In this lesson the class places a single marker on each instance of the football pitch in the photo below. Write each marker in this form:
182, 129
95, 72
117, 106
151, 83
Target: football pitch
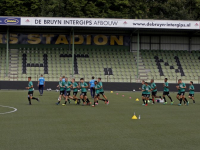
46, 126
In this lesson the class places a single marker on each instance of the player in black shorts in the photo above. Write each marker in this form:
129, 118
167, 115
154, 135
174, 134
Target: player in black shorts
191, 93
96, 97
166, 92
30, 91
143, 92
61, 85
154, 91
75, 91
101, 92
182, 87
83, 85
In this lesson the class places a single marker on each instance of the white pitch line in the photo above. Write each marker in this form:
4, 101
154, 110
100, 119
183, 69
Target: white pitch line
15, 109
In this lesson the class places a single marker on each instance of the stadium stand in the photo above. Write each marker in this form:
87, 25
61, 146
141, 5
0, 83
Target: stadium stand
111, 64
3, 64
171, 64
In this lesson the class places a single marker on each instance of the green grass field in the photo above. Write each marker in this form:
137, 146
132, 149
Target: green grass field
46, 126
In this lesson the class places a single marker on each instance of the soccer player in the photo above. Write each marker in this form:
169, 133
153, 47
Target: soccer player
143, 92
179, 93
154, 91
30, 91
101, 91
148, 92
63, 80
92, 89
41, 84
97, 87
191, 93
182, 88
61, 85
68, 85
83, 96
75, 91
166, 92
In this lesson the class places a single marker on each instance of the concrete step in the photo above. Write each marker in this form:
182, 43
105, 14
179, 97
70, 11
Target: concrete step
14, 55
143, 74
12, 65
13, 50
13, 76
143, 78
141, 67
13, 58
140, 63
142, 71
13, 73
140, 60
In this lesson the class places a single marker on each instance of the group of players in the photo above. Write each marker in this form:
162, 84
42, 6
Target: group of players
96, 89
152, 89
66, 86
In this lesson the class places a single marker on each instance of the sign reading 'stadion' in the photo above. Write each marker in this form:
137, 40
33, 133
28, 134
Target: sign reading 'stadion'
66, 39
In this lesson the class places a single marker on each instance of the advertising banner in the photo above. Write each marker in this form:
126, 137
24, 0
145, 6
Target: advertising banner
10, 21
122, 40
117, 23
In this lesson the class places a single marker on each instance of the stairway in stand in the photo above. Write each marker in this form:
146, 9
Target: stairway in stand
13, 64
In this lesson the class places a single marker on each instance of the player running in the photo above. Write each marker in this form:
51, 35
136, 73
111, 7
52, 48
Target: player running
191, 93
143, 92
166, 92
83, 96
101, 91
97, 87
148, 92
61, 85
154, 91
179, 93
63, 80
41, 84
182, 88
68, 85
75, 91
30, 91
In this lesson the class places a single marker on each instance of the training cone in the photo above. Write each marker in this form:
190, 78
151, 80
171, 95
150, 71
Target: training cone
137, 99
122, 95
117, 93
111, 91
134, 116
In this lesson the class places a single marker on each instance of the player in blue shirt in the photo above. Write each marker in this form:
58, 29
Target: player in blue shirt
41, 84
92, 87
